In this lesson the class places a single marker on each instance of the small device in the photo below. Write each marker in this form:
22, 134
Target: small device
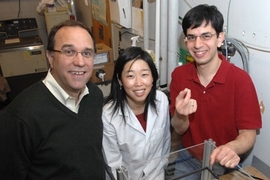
103, 65
120, 11
134, 40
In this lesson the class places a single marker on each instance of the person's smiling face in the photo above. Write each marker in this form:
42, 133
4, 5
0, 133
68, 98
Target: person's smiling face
137, 81
72, 73
204, 51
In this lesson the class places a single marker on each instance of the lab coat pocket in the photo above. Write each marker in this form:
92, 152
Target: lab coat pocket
156, 140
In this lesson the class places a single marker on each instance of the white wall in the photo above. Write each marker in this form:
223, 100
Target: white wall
259, 69
252, 20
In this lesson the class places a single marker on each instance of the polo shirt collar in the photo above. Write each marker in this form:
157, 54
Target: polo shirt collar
223, 70
220, 76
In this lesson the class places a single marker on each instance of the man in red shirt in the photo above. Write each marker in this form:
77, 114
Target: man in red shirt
211, 98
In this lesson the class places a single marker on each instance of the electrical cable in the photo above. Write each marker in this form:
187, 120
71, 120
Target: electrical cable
120, 50
241, 49
19, 9
228, 15
226, 29
127, 32
240, 46
190, 5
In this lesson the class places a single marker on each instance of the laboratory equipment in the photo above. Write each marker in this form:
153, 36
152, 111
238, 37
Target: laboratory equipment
22, 53
205, 171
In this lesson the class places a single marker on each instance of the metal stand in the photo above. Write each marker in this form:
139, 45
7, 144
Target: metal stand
122, 173
206, 170
208, 149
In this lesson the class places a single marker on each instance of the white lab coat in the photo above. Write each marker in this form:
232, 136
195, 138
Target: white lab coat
127, 144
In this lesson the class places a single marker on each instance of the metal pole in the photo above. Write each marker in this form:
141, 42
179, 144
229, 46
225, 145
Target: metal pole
208, 149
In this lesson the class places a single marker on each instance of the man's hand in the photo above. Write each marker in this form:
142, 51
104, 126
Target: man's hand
184, 105
225, 156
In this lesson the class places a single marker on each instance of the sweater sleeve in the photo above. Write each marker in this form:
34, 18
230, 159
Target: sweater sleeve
15, 147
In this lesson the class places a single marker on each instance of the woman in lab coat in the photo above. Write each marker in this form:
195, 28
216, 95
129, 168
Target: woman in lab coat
136, 136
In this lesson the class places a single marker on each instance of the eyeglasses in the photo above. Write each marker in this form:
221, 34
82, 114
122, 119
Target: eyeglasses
203, 37
72, 53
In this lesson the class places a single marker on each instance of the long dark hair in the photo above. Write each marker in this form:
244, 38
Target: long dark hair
118, 95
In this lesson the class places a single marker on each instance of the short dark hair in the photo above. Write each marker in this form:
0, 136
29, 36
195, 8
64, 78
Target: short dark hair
197, 15
117, 96
68, 23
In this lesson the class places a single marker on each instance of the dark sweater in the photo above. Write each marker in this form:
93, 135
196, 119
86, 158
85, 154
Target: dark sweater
42, 139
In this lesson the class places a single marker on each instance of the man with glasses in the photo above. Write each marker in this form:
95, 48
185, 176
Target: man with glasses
211, 98
53, 129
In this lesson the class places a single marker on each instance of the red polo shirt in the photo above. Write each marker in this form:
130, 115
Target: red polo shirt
229, 103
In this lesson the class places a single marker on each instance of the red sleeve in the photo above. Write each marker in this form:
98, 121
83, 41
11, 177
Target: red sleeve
174, 91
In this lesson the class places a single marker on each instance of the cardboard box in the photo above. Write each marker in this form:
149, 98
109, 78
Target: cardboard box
103, 62
53, 18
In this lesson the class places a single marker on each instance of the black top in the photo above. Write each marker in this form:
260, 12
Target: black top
40, 138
